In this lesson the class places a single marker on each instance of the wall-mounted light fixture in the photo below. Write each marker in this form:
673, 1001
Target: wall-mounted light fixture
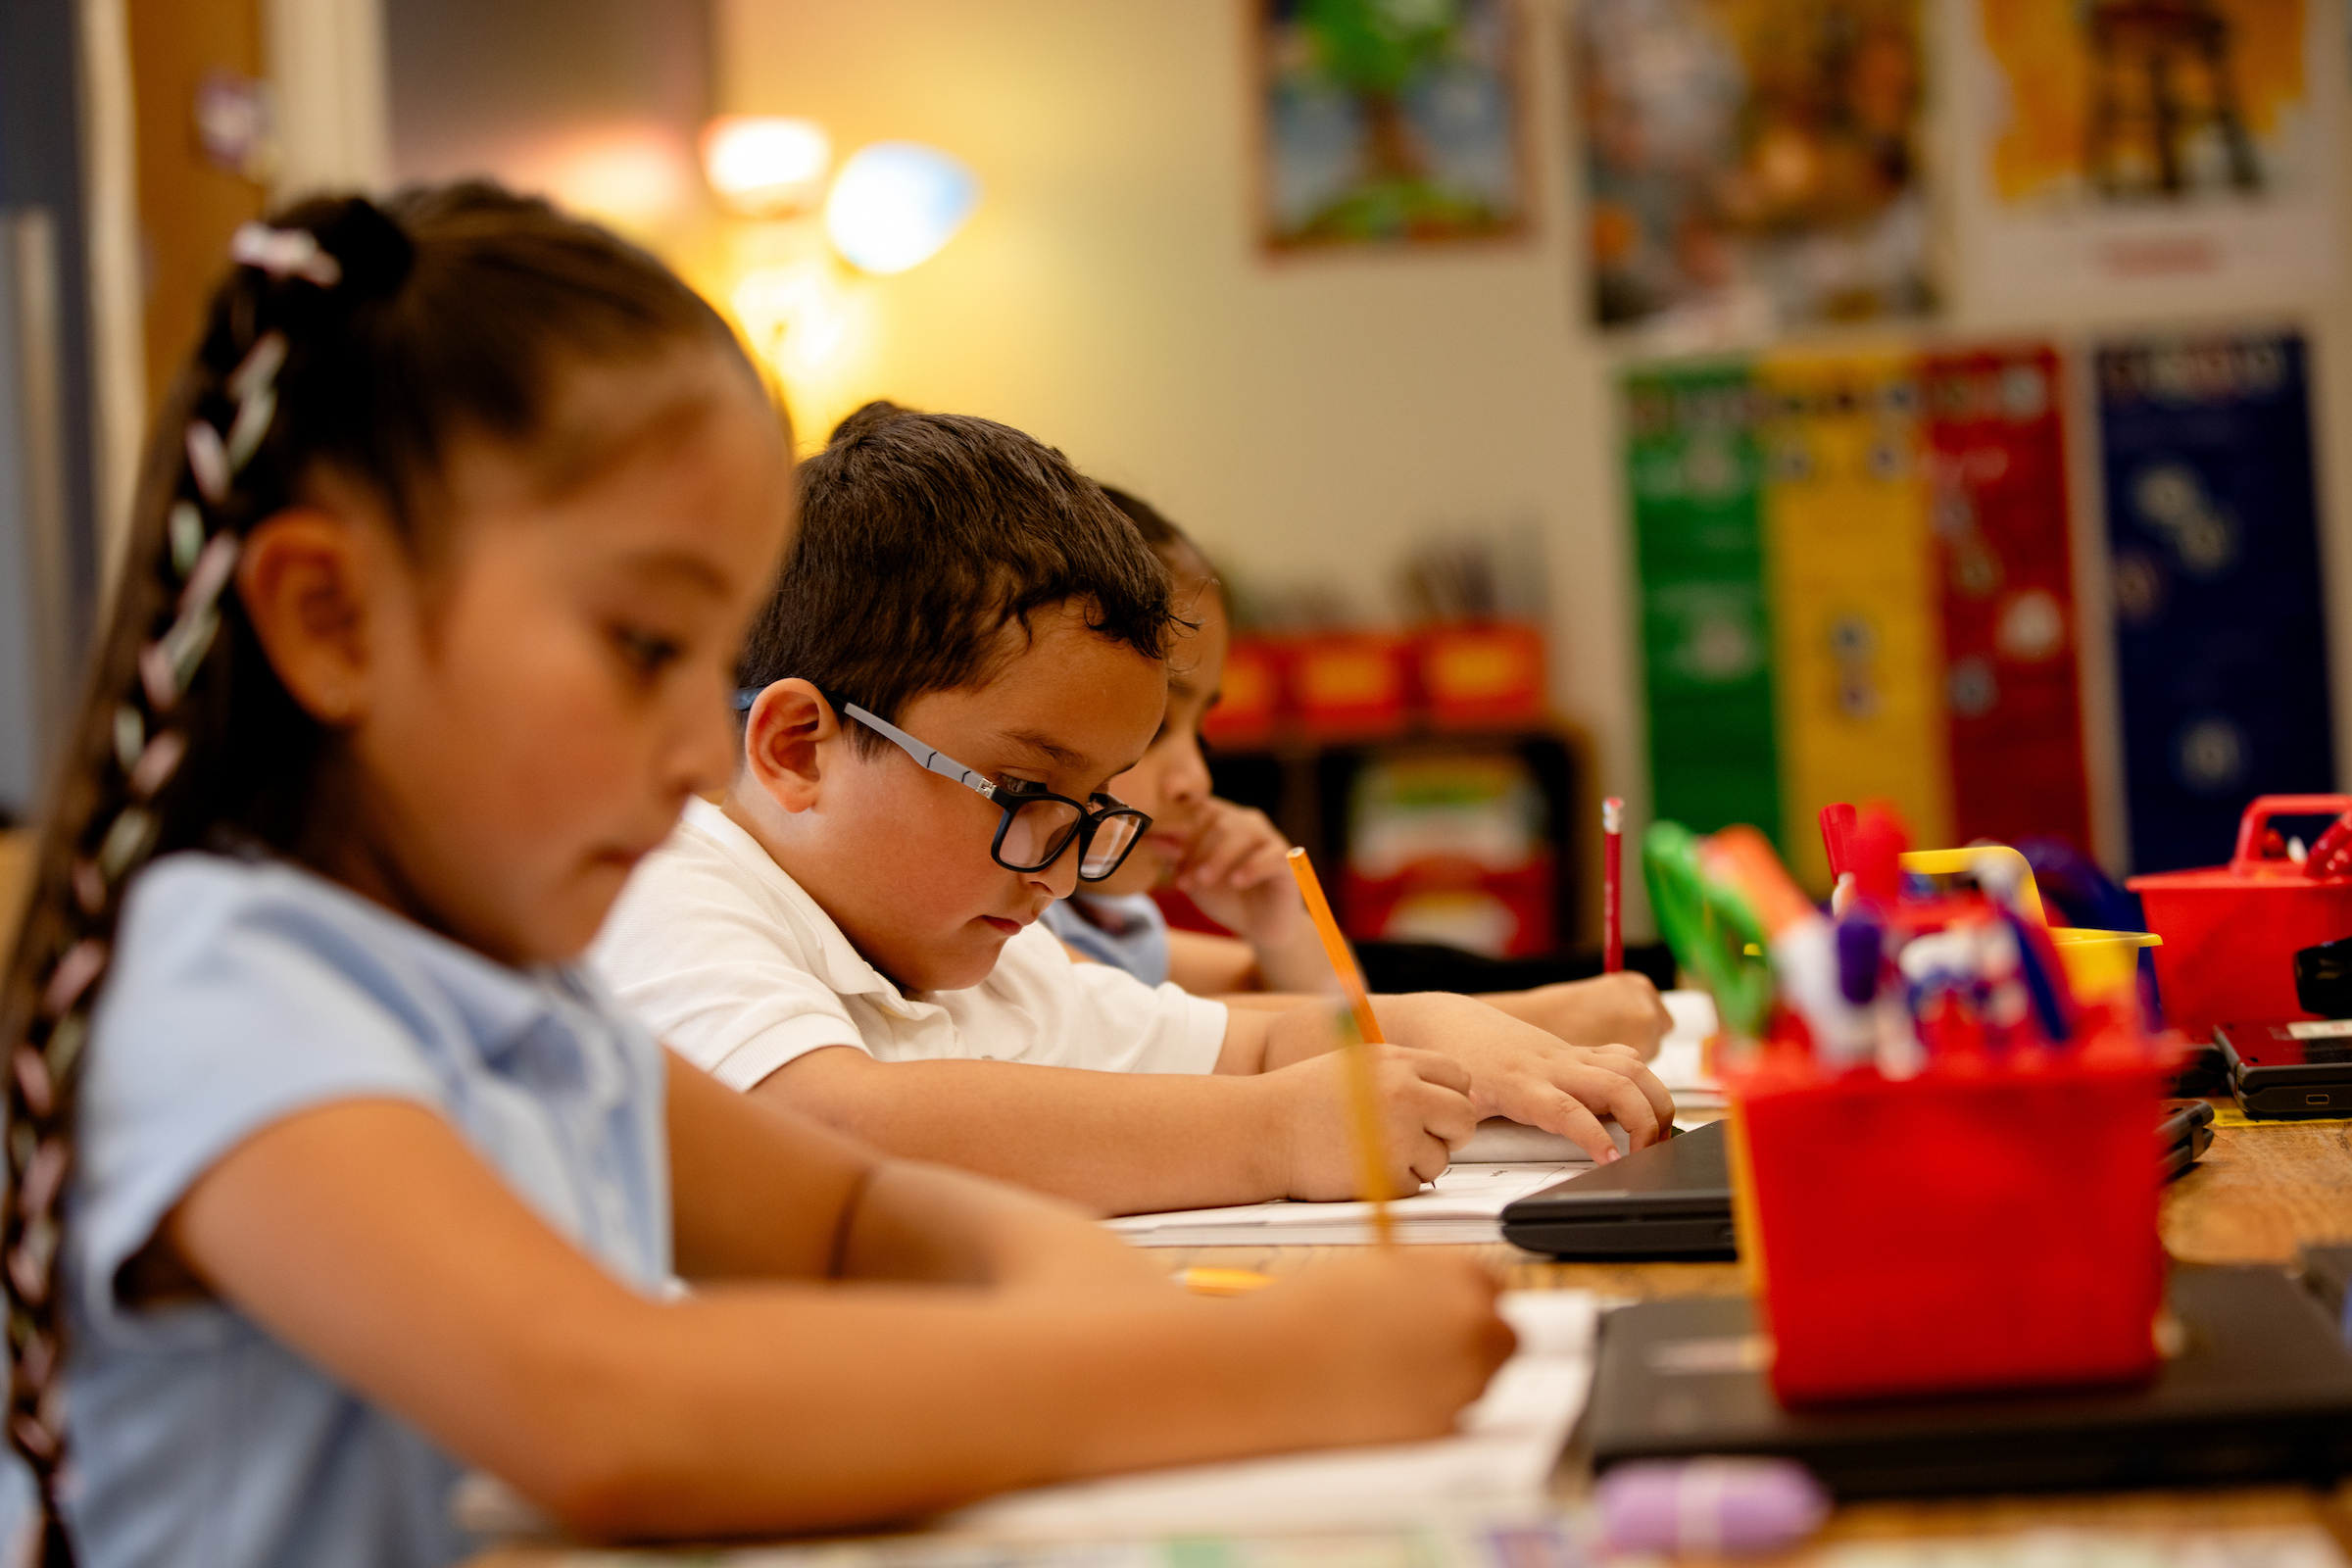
766, 166
896, 203
891, 206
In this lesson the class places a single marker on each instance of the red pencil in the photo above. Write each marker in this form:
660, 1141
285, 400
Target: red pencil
1612, 885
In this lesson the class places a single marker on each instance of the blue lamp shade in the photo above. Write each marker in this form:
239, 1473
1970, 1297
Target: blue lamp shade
896, 203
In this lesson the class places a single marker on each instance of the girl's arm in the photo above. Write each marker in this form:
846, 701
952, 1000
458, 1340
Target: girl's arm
760, 1192
1212, 966
367, 1237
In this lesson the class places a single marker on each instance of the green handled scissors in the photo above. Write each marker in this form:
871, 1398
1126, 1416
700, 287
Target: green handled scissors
1711, 927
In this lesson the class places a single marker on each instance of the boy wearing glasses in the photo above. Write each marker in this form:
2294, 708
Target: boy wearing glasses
965, 645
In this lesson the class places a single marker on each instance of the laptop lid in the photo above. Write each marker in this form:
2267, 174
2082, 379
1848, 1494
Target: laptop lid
1671, 1199
2260, 1390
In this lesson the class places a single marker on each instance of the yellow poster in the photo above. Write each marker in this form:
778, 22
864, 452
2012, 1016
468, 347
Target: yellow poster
2117, 102
2132, 154
1856, 652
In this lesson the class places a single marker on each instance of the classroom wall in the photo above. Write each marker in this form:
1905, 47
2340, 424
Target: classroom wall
1307, 416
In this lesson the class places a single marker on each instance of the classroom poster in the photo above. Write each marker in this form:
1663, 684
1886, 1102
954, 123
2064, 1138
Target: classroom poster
1853, 600
1386, 124
1751, 166
1995, 468
2139, 155
2221, 645
1692, 472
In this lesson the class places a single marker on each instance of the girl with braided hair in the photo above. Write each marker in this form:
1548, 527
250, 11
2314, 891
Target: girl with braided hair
330, 1173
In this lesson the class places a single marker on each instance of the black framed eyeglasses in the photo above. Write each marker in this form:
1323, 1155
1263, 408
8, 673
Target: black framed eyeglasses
1037, 825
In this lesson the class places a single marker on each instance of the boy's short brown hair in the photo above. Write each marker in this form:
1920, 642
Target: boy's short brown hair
923, 535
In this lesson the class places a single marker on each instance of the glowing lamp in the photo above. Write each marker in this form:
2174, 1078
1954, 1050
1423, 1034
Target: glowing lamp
764, 166
896, 203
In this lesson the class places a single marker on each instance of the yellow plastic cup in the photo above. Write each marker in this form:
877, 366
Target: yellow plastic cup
2099, 964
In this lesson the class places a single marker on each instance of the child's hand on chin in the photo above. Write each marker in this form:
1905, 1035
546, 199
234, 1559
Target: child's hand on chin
1237, 873
1427, 1320
1423, 1105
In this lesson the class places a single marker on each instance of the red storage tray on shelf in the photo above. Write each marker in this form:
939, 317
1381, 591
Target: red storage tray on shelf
1987, 1225
1250, 699
2230, 932
1350, 684
1481, 674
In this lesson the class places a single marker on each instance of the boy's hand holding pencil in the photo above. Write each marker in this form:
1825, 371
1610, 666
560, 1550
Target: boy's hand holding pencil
1420, 1112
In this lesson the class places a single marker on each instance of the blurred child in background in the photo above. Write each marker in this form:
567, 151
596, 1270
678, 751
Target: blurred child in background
1230, 861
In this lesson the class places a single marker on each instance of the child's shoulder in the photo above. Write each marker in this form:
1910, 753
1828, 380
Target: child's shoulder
192, 912
710, 881
265, 958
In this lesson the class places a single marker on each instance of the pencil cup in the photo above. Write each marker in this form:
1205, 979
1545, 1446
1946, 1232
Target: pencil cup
1987, 1225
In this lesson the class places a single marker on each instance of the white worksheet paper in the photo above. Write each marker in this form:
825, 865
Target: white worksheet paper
1463, 1205
1498, 1460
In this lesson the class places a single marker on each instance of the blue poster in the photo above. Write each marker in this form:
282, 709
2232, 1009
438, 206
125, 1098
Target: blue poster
2221, 638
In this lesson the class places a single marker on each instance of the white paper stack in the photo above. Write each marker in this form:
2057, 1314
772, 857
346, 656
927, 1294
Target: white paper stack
1463, 1205
1496, 1463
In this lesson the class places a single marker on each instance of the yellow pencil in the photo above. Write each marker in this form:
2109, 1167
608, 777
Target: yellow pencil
1362, 1097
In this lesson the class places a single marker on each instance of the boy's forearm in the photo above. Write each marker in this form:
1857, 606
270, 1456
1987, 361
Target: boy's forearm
927, 1223
1116, 1143
1308, 1028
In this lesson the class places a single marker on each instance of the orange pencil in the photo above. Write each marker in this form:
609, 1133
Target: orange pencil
1362, 1096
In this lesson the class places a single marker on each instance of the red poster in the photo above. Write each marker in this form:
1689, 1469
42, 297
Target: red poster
1996, 472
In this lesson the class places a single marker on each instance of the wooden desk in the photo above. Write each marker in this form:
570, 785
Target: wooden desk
2259, 1195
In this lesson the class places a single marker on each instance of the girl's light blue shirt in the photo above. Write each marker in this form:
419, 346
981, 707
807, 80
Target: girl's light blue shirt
1126, 930
241, 994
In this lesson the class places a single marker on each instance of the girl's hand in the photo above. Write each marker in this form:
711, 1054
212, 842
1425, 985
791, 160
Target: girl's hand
1424, 1112
1519, 1071
1611, 1010
1235, 872
1427, 1322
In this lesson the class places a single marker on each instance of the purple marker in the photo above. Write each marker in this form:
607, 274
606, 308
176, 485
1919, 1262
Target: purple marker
1709, 1505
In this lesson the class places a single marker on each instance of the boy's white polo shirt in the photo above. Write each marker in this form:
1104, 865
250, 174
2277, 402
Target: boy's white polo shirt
736, 967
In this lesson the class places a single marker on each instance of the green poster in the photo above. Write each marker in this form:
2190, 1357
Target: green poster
1694, 476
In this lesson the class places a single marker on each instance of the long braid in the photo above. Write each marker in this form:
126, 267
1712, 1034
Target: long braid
349, 337
235, 467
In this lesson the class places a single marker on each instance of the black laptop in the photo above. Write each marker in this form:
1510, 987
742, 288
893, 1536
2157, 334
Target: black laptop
1670, 1200
2260, 1390
1674, 1199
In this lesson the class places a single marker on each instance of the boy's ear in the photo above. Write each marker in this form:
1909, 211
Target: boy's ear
784, 741
301, 576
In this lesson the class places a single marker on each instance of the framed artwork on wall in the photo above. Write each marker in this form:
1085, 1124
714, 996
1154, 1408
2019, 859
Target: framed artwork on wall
1750, 165
2151, 154
1387, 123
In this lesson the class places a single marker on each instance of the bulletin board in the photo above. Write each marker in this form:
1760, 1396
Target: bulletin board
2221, 638
1856, 579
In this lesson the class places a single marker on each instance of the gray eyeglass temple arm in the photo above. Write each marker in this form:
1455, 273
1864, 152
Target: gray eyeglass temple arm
933, 762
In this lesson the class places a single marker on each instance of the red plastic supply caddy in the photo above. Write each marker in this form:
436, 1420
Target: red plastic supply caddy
2230, 932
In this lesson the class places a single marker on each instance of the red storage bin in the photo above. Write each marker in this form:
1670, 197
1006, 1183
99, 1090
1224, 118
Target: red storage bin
1350, 683
2230, 931
1249, 703
1507, 913
1481, 674
1987, 1225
